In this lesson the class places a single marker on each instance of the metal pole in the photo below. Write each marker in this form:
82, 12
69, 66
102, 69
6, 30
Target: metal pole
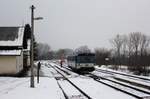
38, 71
32, 55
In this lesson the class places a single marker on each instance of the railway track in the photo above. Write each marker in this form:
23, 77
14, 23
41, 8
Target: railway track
124, 74
123, 86
132, 79
59, 70
131, 87
134, 91
130, 90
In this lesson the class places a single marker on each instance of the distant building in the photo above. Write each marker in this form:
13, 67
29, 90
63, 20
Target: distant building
13, 57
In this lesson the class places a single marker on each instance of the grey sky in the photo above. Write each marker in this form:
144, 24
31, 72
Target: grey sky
72, 23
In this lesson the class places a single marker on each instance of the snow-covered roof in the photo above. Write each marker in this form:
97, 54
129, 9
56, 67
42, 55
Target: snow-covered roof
11, 36
10, 52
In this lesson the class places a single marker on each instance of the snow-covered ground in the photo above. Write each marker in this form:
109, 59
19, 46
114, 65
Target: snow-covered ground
123, 75
50, 88
19, 88
122, 69
99, 91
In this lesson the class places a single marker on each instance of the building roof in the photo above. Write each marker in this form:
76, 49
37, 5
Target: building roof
11, 36
10, 52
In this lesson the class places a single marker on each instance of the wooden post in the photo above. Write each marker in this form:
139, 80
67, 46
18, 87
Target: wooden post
31, 51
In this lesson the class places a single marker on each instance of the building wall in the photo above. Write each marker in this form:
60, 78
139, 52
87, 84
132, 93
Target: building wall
7, 64
26, 57
19, 63
11, 64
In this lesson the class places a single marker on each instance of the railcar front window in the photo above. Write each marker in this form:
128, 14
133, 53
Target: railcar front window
85, 59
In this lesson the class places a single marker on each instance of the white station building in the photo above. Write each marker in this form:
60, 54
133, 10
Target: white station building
11, 50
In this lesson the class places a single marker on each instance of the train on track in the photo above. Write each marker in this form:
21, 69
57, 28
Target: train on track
84, 62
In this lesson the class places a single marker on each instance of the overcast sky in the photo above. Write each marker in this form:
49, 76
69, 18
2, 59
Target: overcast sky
73, 23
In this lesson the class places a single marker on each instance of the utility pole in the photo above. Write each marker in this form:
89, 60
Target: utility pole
31, 51
32, 44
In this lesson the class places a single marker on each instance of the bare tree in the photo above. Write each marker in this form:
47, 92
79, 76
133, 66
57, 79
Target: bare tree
101, 55
82, 49
63, 53
124, 45
68, 52
144, 44
132, 50
135, 41
43, 49
143, 52
137, 47
117, 43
